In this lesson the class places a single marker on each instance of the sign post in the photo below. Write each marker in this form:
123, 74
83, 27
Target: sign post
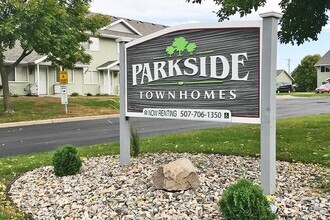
64, 95
124, 132
268, 102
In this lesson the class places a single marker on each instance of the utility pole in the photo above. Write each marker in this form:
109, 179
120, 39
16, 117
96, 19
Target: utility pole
289, 65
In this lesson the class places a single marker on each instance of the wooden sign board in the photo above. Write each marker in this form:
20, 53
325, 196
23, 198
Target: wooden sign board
212, 69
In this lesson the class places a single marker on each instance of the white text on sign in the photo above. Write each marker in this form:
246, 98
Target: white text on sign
191, 114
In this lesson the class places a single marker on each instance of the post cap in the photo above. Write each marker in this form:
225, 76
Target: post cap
271, 14
123, 39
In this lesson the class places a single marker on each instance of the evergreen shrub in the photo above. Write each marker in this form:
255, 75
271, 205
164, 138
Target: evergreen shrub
244, 200
66, 161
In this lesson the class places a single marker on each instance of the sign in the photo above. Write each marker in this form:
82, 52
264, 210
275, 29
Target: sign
188, 114
64, 77
206, 68
64, 95
63, 89
64, 98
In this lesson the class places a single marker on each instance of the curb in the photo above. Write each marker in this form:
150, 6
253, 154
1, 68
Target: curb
56, 120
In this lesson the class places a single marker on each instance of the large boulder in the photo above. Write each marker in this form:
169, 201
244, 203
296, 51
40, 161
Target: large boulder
176, 176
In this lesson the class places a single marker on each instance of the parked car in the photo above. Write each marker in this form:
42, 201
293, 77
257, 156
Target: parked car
323, 89
283, 87
297, 88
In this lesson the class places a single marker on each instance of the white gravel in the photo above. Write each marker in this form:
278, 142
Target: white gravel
104, 190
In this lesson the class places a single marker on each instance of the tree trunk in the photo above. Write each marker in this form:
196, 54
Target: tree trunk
4, 78
5, 92
5, 85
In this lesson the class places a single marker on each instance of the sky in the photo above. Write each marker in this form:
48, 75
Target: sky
175, 12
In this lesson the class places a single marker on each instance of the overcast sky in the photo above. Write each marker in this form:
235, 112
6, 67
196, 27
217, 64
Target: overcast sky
174, 12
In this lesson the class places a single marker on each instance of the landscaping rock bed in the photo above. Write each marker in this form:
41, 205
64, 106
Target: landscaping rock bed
104, 190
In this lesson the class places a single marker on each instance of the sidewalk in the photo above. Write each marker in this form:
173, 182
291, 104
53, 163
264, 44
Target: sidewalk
56, 120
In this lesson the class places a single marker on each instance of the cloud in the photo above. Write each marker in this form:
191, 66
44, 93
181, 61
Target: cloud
169, 12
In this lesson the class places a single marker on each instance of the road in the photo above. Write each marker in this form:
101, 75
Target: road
45, 137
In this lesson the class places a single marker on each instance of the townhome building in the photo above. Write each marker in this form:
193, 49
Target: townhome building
36, 76
283, 77
323, 69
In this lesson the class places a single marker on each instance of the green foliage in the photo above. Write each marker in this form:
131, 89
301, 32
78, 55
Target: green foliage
66, 161
305, 74
244, 200
135, 142
75, 94
112, 104
302, 20
15, 95
191, 47
180, 44
89, 94
170, 50
52, 28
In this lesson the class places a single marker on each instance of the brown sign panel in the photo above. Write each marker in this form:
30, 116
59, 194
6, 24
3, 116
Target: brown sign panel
205, 69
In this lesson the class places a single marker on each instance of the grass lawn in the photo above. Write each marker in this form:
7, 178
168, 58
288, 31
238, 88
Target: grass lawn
304, 94
29, 108
303, 139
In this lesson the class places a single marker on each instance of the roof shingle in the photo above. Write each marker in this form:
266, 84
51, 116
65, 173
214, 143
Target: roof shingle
325, 60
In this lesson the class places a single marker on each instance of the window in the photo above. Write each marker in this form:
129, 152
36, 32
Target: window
19, 75
91, 77
93, 45
325, 69
70, 76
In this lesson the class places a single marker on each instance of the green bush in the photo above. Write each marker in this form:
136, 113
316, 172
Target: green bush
66, 161
89, 94
74, 94
243, 200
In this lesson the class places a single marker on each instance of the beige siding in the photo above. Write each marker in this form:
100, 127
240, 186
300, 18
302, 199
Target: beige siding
19, 88
321, 77
283, 78
77, 85
116, 83
108, 51
121, 28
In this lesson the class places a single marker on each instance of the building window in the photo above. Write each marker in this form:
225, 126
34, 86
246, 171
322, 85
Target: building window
91, 77
19, 75
93, 45
70, 76
325, 69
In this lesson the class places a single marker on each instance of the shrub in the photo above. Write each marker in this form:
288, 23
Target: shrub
74, 94
89, 94
135, 142
15, 95
243, 200
66, 161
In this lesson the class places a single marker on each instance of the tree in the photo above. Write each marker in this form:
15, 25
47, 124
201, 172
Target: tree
302, 19
191, 47
305, 73
180, 44
54, 28
170, 50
